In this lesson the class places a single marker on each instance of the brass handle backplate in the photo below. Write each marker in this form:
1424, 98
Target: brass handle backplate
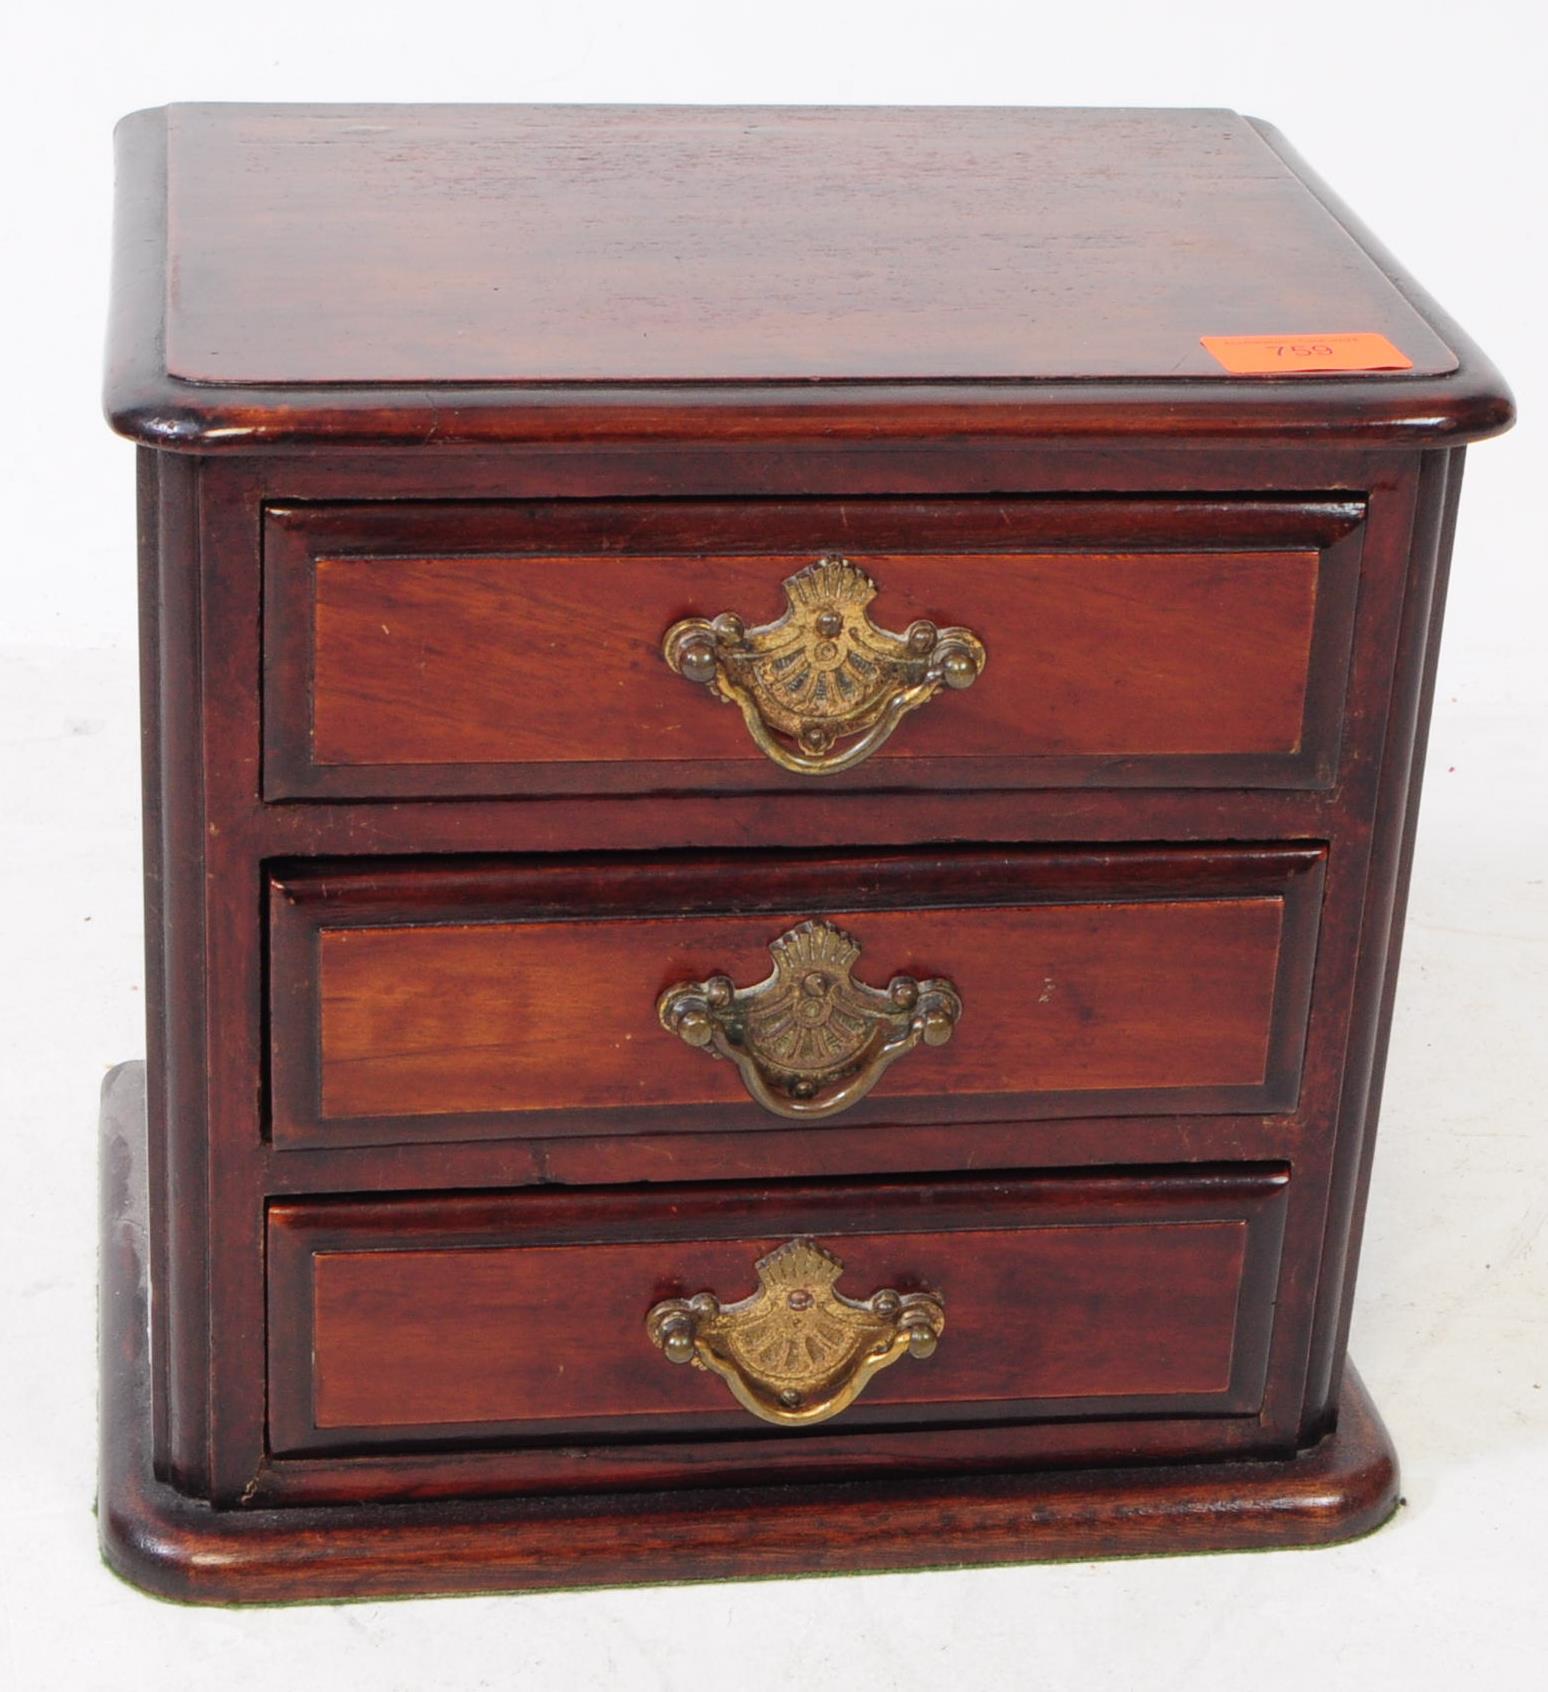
810, 1041
797, 1351
824, 672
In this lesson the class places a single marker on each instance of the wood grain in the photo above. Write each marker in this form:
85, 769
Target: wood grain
515, 1319
448, 1020
467, 1011
221, 835
170, 1544
419, 1336
986, 250
1342, 264
1147, 642
210, 536
557, 660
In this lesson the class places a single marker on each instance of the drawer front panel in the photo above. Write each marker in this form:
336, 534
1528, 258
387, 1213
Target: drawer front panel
480, 999
439, 650
521, 1318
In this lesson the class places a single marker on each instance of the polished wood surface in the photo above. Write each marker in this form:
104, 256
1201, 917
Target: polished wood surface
1228, 882
1065, 1296
505, 649
444, 1021
734, 227
450, 1000
215, 830
525, 654
173, 1545
767, 273
984, 245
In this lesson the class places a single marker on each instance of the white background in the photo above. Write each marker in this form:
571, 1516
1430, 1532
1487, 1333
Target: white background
1429, 119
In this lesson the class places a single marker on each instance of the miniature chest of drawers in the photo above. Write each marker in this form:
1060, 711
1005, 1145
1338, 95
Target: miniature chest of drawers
778, 805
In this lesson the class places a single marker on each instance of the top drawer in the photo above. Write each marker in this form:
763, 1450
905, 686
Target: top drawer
430, 650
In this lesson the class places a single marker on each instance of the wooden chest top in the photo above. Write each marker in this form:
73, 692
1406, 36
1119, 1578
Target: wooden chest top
505, 272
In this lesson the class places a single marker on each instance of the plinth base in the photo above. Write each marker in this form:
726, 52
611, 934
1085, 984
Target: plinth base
180, 1548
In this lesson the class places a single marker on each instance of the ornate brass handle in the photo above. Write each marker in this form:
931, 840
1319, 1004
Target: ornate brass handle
797, 1351
810, 1041
824, 672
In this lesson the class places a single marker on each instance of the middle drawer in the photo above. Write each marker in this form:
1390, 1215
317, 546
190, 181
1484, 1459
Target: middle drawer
467, 999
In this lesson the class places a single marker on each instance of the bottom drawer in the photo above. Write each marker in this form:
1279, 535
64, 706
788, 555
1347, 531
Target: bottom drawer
524, 1340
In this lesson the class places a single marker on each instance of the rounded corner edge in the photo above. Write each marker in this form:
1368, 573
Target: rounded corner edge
145, 1546
141, 117
1353, 1484
153, 415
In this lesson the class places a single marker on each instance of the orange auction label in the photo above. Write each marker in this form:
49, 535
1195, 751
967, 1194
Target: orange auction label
1304, 355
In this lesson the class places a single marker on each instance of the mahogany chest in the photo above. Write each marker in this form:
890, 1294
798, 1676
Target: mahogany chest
781, 751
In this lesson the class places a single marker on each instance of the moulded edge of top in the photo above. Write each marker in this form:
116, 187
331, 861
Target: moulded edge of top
147, 404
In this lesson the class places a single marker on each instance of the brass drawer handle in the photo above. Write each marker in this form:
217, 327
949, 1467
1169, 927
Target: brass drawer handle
810, 1041
824, 672
797, 1351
